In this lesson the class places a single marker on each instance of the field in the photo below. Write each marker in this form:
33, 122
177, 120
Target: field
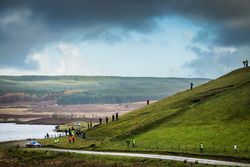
215, 114
48, 112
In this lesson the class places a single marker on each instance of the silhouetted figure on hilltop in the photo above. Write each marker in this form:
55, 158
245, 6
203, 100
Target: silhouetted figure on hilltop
191, 86
246, 63
116, 116
100, 120
113, 118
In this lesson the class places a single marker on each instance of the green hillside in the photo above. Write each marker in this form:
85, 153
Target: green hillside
216, 113
94, 89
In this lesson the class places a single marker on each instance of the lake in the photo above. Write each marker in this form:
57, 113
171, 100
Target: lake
12, 131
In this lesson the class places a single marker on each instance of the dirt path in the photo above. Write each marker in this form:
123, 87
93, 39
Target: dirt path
154, 156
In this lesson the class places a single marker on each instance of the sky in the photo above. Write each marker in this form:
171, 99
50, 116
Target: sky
144, 38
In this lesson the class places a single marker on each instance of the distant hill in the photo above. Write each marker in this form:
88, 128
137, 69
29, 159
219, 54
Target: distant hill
90, 89
216, 113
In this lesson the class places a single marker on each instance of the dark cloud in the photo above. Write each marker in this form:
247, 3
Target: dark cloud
223, 22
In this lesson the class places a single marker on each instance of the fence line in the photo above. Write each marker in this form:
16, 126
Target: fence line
191, 148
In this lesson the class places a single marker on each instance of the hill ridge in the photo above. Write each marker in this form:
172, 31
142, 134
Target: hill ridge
183, 111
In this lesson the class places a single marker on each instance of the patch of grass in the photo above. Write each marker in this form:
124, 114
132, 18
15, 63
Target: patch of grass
29, 158
64, 143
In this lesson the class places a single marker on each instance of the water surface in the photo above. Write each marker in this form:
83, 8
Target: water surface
12, 131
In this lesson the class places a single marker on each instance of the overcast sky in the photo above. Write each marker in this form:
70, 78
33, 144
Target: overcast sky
159, 38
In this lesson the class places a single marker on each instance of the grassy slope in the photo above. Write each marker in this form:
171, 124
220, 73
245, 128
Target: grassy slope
216, 113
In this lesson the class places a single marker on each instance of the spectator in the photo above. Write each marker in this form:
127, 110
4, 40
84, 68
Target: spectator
116, 116
235, 148
133, 142
107, 120
191, 86
201, 148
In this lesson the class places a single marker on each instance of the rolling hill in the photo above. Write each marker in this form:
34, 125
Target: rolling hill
216, 114
90, 89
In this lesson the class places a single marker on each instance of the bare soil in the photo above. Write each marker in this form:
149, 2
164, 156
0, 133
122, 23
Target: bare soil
48, 112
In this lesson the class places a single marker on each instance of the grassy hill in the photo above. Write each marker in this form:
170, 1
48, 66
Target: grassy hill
91, 89
216, 113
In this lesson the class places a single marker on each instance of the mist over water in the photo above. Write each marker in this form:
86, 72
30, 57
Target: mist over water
12, 131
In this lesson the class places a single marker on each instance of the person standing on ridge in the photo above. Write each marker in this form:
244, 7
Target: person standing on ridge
191, 86
116, 116
246, 63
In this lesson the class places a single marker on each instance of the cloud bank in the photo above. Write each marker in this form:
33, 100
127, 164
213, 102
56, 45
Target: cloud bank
28, 25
